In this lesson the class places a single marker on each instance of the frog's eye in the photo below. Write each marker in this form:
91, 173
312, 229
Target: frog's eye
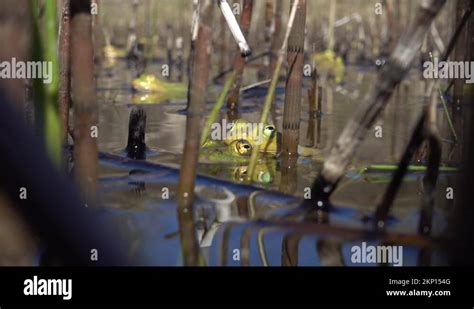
269, 130
243, 147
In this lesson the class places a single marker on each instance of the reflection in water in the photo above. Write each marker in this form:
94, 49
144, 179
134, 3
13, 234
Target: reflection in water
289, 250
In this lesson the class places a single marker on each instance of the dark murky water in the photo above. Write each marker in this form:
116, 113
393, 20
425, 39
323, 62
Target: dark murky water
149, 222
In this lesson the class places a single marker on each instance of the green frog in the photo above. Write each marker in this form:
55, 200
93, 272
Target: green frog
236, 148
264, 135
237, 155
329, 63
237, 151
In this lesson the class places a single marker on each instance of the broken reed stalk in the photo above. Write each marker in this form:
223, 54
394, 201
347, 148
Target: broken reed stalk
292, 107
294, 84
276, 34
239, 61
47, 118
234, 28
136, 146
64, 95
356, 129
189, 161
217, 107
271, 90
85, 105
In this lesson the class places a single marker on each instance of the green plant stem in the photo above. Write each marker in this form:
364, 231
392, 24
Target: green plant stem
217, 106
411, 168
46, 94
269, 98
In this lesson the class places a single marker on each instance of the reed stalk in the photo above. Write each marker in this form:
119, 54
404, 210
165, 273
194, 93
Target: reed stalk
199, 79
85, 105
294, 84
217, 107
271, 90
331, 22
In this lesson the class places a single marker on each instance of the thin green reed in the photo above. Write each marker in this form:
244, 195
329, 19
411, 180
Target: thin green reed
45, 49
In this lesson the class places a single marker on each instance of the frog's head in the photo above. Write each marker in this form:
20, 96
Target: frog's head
241, 147
255, 134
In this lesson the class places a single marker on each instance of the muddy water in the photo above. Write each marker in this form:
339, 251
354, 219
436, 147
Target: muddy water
149, 221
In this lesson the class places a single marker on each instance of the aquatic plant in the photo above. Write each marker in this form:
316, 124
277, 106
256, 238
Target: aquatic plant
330, 65
197, 90
294, 84
47, 116
85, 104
271, 90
